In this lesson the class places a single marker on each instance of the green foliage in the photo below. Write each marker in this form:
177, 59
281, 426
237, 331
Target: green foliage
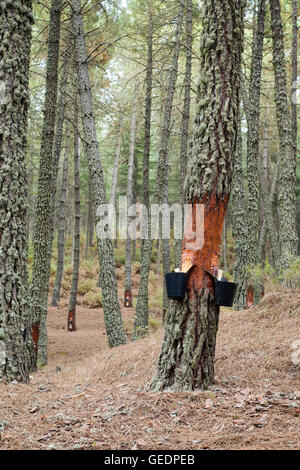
93, 299
291, 276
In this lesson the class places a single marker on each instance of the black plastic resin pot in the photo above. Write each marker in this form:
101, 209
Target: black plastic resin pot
176, 285
224, 293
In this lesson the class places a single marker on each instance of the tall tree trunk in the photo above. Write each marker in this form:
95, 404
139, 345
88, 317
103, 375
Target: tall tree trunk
90, 220
76, 247
61, 241
294, 86
186, 360
263, 232
240, 228
114, 184
128, 284
162, 183
111, 307
42, 231
269, 219
57, 144
286, 167
185, 114
134, 201
253, 138
15, 39
142, 307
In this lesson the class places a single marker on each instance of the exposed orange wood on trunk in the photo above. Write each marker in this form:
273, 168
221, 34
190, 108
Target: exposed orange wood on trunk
208, 256
35, 334
128, 299
71, 321
250, 296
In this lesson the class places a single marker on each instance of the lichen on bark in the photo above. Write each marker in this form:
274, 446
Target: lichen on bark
15, 39
186, 360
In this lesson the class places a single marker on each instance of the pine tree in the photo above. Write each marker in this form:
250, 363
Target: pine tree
15, 38
43, 218
286, 164
186, 360
108, 281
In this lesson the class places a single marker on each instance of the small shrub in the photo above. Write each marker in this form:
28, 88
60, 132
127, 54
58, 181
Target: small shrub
154, 323
119, 256
88, 285
93, 299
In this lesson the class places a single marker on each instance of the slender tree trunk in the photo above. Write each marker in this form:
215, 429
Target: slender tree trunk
185, 114
128, 284
240, 228
287, 167
162, 183
269, 219
142, 307
61, 242
294, 88
134, 201
42, 231
76, 248
113, 191
90, 220
111, 307
57, 144
186, 360
263, 232
253, 139
15, 39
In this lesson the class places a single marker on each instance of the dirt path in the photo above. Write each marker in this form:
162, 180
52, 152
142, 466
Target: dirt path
92, 397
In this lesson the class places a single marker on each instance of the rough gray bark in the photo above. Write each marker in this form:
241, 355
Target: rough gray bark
186, 360
142, 308
185, 114
253, 138
42, 230
15, 39
162, 181
128, 284
62, 223
76, 244
286, 164
111, 307
294, 91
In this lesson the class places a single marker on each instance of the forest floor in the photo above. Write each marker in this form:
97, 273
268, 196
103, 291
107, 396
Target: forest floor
93, 397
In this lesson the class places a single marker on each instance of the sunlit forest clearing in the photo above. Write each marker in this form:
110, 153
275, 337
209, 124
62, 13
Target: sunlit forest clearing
149, 225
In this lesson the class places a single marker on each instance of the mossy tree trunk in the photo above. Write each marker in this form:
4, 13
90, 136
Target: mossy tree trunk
253, 138
186, 360
108, 280
61, 241
42, 229
286, 165
76, 244
295, 82
142, 305
15, 38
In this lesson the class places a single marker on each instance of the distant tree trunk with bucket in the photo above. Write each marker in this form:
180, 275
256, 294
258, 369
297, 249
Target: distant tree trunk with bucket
186, 360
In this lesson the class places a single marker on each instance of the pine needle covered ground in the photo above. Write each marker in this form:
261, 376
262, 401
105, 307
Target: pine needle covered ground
93, 397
